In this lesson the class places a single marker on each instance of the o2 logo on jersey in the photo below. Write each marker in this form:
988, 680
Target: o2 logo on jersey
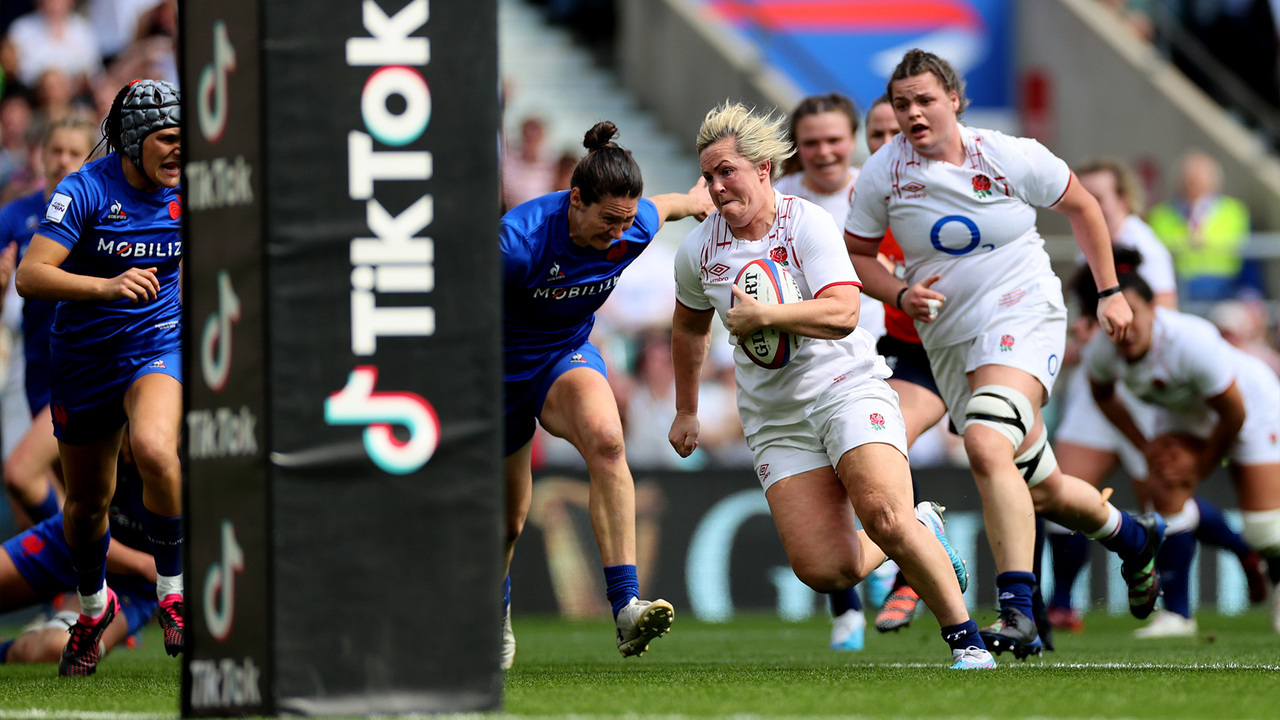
211, 97
220, 585
975, 237
215, 344
359, 404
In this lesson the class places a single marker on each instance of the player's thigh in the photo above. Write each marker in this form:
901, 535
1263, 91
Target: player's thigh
878, 479
90, 469
580, 407
1257, 486
1089, 464
36, 453
153, 404
814, 517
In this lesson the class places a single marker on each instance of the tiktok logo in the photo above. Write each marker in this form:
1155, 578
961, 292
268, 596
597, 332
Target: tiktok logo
220, 585
358, 404
215, 345
211, 100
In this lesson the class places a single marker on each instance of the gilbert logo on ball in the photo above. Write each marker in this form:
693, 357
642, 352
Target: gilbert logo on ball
767, 282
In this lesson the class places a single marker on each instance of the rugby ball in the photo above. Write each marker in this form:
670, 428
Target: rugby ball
769, 283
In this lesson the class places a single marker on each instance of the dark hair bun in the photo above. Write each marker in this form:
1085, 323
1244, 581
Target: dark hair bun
599, 135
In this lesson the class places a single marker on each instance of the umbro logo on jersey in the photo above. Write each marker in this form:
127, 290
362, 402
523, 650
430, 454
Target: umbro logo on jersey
117, 212
717, 272
913, 190
555, 274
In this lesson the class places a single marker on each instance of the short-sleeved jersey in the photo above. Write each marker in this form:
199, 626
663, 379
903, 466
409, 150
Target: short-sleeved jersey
1188, 363
973, 224
18, 222
110, 226
551, 286
805, 240
836, 203
1157, 262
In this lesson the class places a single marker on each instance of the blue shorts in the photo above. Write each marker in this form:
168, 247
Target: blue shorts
37, 384
43, 560
523, 399
909, 362
87, 398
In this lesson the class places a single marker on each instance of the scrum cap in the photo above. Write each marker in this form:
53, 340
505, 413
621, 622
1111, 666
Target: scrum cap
150, 105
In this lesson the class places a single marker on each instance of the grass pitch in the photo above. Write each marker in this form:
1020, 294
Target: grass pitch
759, 666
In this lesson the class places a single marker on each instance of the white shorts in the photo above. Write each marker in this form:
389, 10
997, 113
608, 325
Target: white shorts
1083, 424
1031, 339
1258, 442
846, 416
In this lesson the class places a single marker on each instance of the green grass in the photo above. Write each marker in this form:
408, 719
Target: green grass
760, 666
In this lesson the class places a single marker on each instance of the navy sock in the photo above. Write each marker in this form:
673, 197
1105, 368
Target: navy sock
621, 585
1015, 590
964, 635
1174, 563
165, 534
44, 509
1214, 530
506, 593
1128, 540
842, 601
1070, 553
4, 650
90, 563
1273, 568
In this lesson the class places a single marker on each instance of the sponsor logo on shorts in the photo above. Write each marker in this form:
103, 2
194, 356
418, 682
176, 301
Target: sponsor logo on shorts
58, 205
158, 365
877, 421
779, 255
1273, 438
59, 415
981, 186
117, 212
1006, 343
763, 472
577, 358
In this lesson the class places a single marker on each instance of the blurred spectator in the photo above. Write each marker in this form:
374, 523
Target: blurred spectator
153, 51
1244, 325
564, 170
115, 23
1134, 14
17, 174
526, 171
1204, 229
650, 406
53, 36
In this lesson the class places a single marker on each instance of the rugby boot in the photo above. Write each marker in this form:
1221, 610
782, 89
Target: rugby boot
1013, 632
1140, 574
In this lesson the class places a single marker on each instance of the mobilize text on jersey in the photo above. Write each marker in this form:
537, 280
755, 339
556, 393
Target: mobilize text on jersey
126, 248
573, 291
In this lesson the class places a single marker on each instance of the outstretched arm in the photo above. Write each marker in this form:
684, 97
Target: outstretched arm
676, 206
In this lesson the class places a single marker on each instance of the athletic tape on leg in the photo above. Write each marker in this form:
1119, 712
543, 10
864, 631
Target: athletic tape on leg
1262, 531
1003, 409
1038, 462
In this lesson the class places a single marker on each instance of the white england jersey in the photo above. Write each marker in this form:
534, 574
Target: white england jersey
1188, 363
806, 241
871, 312
972, 224
1157, 262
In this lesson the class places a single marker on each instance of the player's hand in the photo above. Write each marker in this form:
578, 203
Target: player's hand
702, 200
684, 434
1176, 458
746, 316
1115, 316
136, 284
921, 302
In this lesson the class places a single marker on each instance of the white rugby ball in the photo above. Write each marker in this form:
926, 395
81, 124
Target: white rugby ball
767, 282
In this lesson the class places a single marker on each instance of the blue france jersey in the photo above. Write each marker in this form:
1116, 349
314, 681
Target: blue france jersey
551, 286
110, 226
18, 222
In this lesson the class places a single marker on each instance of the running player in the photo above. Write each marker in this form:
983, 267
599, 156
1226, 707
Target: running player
109, 250
29, 470
825, 429
1087, 446
1214, 403
961, 203
35, 567
562, 255
823, 129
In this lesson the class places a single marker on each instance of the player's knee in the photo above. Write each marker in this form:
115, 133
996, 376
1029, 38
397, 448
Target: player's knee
883, 526
1002, 409
604, 443
825, 575
1038, 462
515, 527
155, 454
1262, 531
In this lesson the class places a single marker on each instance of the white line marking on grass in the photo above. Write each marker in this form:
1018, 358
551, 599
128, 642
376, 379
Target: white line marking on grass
80, 715
1102, 665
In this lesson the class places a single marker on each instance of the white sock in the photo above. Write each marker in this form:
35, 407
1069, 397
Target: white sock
92, 606
1185, 520
1109, 527
167, 585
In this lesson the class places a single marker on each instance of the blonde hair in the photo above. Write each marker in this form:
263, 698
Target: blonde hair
758, 138
1127, 185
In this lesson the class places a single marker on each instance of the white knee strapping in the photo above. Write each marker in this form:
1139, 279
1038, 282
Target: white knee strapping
1003, 409
1262, 531
1185, 520
1038, 462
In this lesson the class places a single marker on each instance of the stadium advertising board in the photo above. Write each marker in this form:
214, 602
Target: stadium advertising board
227, 664
383, 299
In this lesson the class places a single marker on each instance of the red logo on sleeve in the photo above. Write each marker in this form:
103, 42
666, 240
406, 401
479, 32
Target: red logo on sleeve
175, 209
